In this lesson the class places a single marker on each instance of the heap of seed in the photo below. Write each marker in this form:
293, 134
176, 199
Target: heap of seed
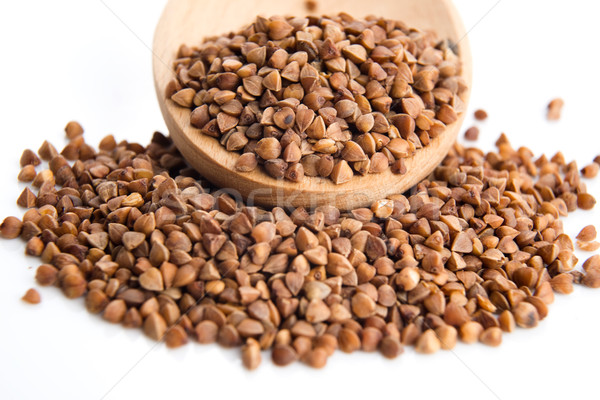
470, 253
329, 97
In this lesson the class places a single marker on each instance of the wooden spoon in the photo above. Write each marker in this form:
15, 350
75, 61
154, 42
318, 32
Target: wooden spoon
189, 21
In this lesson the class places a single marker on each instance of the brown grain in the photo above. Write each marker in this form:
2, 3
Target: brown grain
206, 332
447, 335
554, 109
32, 296
390, 347
590, 171
11, 227
155, 326
492, 336
480, 115
470, 331
585, 201
175, 337
592, 263
114, 311
27, 173
46, 275
526, 315
73, 129
592, 279
428, 342
472, 133
28, 157
283, 355
251, 357
588, 246
587, 233
311, 5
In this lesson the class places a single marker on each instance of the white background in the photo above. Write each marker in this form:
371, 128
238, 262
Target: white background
64, 60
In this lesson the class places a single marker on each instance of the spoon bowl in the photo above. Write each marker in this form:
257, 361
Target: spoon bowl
189, 21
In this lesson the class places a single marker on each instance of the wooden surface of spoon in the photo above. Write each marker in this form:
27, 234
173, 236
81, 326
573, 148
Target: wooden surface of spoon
189, 21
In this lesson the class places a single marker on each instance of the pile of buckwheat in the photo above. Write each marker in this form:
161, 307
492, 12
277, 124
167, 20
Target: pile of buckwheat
321, 96
470, 253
